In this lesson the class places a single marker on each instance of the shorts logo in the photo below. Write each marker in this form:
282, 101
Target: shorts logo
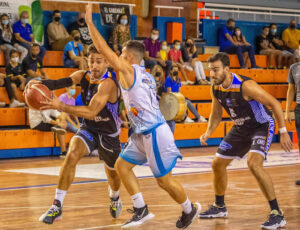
225, 146
87, 135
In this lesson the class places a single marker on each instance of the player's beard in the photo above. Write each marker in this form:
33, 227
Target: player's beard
220, 81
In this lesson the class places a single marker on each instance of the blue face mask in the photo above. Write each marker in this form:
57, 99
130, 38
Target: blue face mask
124, 21
72, 92
24, 20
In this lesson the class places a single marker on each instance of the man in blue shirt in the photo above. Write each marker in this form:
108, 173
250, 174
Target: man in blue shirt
228, 45
23, 33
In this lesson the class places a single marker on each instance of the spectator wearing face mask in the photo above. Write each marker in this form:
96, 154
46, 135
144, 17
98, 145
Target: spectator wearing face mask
228, 45
81, 26
164, 51
288, 58
23, 33
159, 75
240, 39
73, 53
152, 54
264, 47
57, 34
291, 37
176, 57
121, 33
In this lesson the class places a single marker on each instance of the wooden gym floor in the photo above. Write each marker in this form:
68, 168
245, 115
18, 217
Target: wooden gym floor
27, 188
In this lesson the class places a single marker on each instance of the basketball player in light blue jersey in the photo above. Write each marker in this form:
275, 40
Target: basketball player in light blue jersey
152, 140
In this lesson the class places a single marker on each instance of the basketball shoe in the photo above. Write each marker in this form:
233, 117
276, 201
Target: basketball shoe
140, 216
275, 220
53, 213
115, 207
214, 211
186, 219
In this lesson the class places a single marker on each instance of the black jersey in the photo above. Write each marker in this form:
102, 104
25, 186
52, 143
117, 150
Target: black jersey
107, 122
245, 114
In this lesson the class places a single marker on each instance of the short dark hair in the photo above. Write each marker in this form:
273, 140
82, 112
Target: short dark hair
154, 29
272, 24
230, 20
4, 15
35, 44
175, 41
120, 16
55, 12
12, 52
174, 66
223, 57
266, 27
137, 47
92, 50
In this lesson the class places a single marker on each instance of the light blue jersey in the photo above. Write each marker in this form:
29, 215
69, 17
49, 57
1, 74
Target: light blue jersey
141, 101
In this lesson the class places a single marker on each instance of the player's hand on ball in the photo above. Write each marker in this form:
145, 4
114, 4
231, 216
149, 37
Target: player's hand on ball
203, 139
286, 142
51, 103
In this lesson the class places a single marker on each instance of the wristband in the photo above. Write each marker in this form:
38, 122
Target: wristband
283, 130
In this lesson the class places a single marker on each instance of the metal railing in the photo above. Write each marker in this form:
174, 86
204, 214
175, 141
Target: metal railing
179, 8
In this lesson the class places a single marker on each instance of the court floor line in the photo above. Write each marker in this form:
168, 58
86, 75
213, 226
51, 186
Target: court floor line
101, 226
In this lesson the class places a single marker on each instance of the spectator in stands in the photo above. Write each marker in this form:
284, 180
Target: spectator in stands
228, 45
45, 121
239, 38
291, 37
58, 36
78, 102
73, 53
23, 33
14, 79
159, 75
191, 61
264, 47
176, 57
9, 41
32, 63
164, 51
81, 26
152, 54
121, 33
173, 84
2, 82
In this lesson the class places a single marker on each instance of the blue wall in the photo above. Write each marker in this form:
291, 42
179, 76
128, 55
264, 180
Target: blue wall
68, 17
210, 30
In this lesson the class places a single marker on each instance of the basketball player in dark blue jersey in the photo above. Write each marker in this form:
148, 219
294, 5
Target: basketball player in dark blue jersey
245, 101
100, 129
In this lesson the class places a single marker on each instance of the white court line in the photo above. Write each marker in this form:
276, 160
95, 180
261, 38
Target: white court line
102, 226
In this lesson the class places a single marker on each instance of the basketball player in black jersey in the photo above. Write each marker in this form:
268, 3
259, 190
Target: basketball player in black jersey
252, 132
100, 129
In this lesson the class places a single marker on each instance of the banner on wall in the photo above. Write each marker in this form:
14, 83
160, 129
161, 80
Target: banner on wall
111, 12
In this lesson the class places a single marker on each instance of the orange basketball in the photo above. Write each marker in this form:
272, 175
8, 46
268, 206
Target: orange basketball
36, 94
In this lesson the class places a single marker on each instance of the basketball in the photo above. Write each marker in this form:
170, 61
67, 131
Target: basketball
36, 94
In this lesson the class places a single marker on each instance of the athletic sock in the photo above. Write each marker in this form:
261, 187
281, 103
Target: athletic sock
274, 205
138, 201
220, 201
186, 206
60, 195
113, 194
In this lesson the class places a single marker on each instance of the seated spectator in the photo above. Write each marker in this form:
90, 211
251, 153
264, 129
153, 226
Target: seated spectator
264, 47
2, 82
164, 51
152, 54
287, 56
291, 37
23, 33
9, 42
14, 79
121, 33
73, 53
58, 36
45, 121
81, 26
240, 39
32, 63
228, 45
173, 84
191, 61
176, 57
159, 75
67, 98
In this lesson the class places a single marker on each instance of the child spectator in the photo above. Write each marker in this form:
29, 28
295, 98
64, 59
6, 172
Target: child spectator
264, 47
191, 62
73, 53
14, 79
176, 57
164, 51
121, 33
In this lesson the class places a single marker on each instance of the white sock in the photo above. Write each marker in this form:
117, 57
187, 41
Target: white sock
60, 195
138, 201
186, 206
113, 194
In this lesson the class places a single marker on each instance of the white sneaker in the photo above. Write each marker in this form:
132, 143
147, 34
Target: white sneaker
184, 83
16, 104
2, 104
188, 120
190, 82
202, 120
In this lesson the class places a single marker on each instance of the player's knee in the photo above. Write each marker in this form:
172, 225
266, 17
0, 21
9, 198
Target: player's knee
163, 183
217, 165
72, 157
254, 166
119, 166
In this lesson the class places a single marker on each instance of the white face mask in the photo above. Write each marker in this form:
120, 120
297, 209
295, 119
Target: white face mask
5, 22
164, 47
15, 59
177, 47
154, 37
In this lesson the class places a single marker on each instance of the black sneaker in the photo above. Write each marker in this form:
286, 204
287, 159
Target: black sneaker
115, 207
214, 211
140, 216
186, 219
297, 182
54, 213
275, 220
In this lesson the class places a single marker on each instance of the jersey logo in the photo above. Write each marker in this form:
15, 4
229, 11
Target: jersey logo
225, 146
149, 82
